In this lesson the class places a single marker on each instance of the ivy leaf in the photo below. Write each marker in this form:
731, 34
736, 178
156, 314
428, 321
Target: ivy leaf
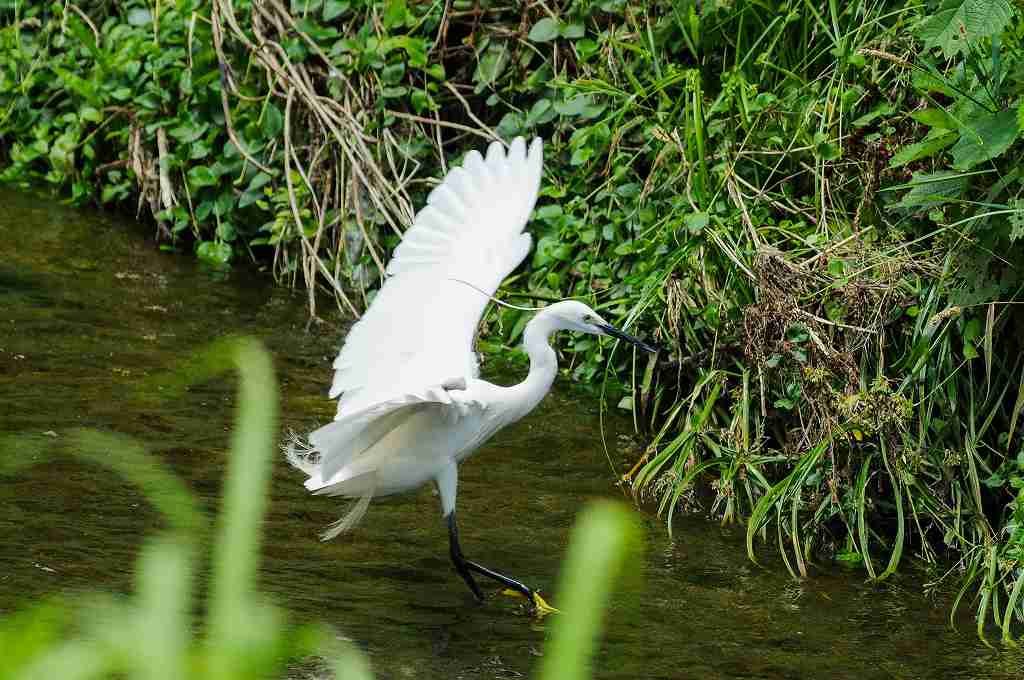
985, 138
544, 30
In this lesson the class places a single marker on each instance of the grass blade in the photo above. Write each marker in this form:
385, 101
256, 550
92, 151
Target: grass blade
603, 542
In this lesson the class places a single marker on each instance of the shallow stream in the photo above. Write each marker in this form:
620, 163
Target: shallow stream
89, 307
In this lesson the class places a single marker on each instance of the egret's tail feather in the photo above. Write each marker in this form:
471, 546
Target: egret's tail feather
349, 520
301, 454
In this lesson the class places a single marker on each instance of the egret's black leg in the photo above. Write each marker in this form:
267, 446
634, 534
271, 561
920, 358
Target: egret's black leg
460, 562
466, 567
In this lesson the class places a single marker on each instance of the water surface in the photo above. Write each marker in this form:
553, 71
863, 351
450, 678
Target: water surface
89, 308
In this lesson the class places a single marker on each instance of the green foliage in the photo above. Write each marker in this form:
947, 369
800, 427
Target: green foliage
150, 634
958, 25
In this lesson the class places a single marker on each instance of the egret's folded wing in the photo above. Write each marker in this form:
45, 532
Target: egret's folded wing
420, 328
341, 442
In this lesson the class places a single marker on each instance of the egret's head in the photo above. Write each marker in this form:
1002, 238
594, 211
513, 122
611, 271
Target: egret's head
576, 316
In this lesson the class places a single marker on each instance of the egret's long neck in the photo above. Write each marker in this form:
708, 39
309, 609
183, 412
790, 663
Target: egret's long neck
543, 362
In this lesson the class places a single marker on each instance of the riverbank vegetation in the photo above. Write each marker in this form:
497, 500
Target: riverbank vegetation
815, 209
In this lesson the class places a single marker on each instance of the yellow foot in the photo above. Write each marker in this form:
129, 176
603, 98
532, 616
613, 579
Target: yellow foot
540, 607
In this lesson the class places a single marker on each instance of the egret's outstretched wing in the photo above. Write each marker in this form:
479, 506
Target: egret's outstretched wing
420, 328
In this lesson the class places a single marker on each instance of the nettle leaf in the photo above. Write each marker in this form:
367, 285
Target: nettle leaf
928, 190
544, 30
961, 23
985, 138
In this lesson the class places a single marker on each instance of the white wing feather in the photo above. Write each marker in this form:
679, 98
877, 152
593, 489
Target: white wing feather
419, 330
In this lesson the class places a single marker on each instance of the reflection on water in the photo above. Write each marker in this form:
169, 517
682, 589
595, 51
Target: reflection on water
89, 308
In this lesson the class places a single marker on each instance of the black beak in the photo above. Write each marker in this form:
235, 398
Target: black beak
616, 333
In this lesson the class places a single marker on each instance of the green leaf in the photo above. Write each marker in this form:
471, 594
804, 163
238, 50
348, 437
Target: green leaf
959, 24
214, 252
544, 30
201, 176
273, 120
985, 138
543, 254
492, 63
226, 231
187, 133
934, 118
140, 16
1017, 220
972, 331
928, 190
540, 109
923, 149
335, 8
695, 222
395, 13
90, 114
573, 106
258, 181
393, 74
883, 109
573, 31
549, 212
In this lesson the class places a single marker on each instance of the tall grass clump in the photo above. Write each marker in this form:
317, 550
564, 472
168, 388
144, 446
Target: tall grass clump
815, 207
153, 633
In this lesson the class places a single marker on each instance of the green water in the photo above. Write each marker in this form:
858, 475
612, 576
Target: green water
89, 308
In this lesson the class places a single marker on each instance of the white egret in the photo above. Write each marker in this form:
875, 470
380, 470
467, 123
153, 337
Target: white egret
411, 406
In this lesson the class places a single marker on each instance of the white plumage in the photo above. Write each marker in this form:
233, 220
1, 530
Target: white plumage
410, 403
